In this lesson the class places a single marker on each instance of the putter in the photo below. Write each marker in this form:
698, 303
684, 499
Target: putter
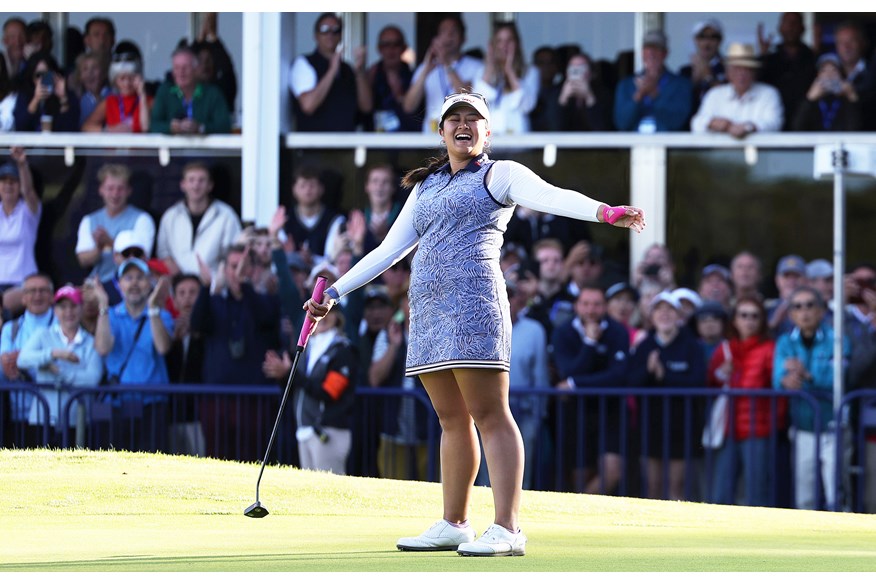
257, 510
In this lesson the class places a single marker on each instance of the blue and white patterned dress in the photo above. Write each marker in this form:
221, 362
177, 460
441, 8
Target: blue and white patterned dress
460, 316
459, 306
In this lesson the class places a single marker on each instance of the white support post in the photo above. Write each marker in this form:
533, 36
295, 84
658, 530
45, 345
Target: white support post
260, 152
648, 192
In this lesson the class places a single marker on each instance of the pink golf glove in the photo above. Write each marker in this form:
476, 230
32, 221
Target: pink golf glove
611, 214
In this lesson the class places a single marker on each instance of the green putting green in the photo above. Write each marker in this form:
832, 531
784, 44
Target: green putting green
117, 511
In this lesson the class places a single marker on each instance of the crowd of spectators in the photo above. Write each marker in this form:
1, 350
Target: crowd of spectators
204, 298
754, 86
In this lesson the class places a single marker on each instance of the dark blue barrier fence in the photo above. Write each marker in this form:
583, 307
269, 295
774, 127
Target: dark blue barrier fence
584, 440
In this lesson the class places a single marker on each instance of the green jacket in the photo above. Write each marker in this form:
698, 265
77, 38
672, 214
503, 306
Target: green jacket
208, 107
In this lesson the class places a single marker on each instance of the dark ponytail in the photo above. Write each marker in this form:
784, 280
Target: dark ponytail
419, 174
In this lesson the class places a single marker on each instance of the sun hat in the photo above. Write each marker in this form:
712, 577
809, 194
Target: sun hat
475, 100
742, 55
70, 293
689, 295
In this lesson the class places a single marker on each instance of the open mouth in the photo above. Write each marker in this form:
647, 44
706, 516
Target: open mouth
462, 136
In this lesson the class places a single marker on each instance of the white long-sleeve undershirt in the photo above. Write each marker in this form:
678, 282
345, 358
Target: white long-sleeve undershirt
509, 183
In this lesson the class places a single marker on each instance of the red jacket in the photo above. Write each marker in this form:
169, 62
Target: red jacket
752, 369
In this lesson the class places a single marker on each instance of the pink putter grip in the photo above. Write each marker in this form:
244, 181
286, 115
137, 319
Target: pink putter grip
309, 324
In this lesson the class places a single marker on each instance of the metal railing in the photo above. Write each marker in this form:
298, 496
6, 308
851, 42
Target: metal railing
574, 430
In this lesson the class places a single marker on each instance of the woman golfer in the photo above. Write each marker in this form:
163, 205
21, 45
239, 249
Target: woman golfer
460, 328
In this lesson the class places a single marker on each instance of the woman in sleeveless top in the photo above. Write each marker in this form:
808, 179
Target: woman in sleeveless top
460, 329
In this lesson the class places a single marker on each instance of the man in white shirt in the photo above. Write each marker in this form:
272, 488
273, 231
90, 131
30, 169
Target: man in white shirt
743, 105
444, 70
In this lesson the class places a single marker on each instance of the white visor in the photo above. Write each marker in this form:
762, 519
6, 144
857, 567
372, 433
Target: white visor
475, 100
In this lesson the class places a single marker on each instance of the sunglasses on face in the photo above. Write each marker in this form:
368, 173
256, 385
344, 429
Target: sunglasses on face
133, 252
809, 305
329, 29
708, 37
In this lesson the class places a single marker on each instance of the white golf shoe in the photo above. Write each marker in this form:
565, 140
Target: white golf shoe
442, 536
496, 541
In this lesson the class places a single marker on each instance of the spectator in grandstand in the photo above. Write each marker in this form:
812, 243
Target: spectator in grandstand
367, 228
716, 285
61, 354
656, 267
258, 240
706, 68
390, 79
621, 303
98, 230
790, 273
312, 226
328, 93
19, 219
127, 244
790, 66
187, 106
860, 326
44, 101
710, 323
239, 326
324, 395
507, 82
552, 305
443, 71
214, 63
832, 104
99, 36
89, 82
198, 226
133, 336
743, 105
668, 357
819, 275
545, 116
8, 96
14, 39
586, 268
585, 103
852, 49
655, 99
745, 362
127, 107
746, 275
804, 362
16, 332
592, 351
38, 38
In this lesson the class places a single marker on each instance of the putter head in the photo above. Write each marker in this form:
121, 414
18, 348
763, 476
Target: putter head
256, 510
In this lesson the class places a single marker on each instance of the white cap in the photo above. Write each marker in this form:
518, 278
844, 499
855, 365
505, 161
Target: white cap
322, 267
127, 239
475, 100
689, 295
667, 297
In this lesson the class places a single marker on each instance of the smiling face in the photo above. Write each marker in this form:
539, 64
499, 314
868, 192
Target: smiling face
464, 132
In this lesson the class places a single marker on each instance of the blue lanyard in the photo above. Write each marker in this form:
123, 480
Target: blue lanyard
828, 115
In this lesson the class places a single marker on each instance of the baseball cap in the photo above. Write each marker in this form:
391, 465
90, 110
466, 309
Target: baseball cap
133, 262
791, 263
127, 239
620, 288
716, 269
70, 293
819, 269
828, 58
8, 169
377, 294
667, 297
322, 268
689, 295
708, 23
711, 308
475, 100
654, 38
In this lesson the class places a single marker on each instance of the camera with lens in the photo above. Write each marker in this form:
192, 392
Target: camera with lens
651, 269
